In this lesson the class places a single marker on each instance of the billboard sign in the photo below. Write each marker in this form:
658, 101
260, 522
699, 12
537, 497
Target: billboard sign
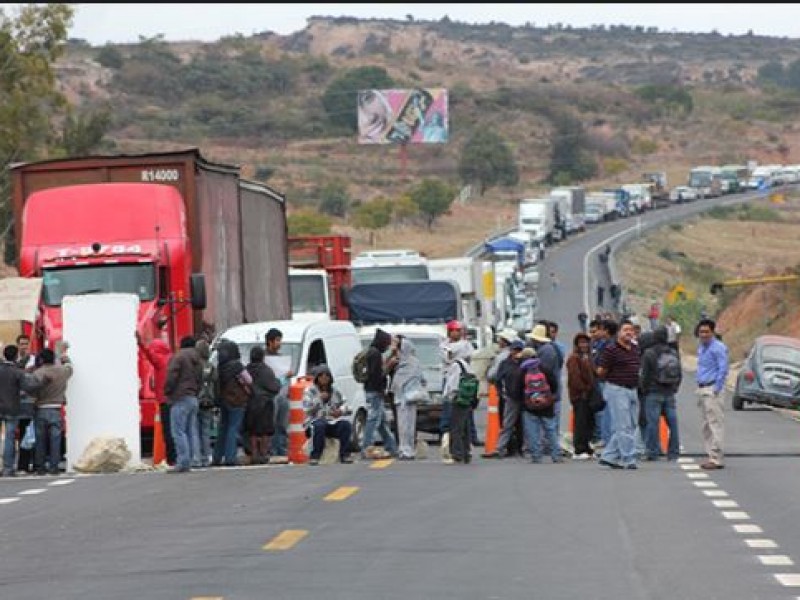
416, 116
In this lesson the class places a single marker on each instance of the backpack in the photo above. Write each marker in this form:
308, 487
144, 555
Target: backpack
359, 367
537, 395
467, 396
235, 393
668, 368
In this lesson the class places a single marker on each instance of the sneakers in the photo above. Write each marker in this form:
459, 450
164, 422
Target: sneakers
582, 456
494, 454
346, 460
313, 462
710, 466
632, 466
606, 463
448, 461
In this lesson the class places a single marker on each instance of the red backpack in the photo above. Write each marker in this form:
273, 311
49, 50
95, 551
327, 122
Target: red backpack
537, 395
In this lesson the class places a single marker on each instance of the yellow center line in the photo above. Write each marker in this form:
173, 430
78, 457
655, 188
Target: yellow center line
285, 539
381, 464
343, 493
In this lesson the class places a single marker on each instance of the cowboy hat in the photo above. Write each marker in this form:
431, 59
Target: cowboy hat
508, 335
539, 333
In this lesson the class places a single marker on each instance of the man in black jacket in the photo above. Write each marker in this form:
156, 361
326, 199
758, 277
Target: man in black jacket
13, 381
375, 390
659, 382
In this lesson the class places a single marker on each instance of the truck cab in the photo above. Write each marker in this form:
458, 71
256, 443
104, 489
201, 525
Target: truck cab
384, 266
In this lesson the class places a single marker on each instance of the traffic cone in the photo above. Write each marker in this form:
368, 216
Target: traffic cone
663, 434
492, 421
297, 433
159, 448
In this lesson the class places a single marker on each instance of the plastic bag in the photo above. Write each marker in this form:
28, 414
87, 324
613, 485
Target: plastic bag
29, 439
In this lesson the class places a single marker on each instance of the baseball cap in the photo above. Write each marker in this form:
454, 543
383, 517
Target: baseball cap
517, 345
453, 325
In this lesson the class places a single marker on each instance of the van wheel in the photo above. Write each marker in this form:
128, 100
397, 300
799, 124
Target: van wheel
738, 403
359, 427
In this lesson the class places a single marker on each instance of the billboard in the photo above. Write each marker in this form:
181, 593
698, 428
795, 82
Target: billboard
416, 116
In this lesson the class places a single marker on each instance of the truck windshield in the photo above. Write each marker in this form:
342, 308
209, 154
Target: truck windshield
531, 221
390, 273
700, 179
308, 293
138, 279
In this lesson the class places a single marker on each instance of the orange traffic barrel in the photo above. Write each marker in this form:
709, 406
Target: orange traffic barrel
492, 421
297, 433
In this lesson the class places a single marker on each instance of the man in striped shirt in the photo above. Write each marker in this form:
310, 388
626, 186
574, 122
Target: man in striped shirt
618, 367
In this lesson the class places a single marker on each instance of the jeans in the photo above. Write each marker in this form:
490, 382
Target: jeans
655, 404
584, 425
604, 424
9, 444
205, 418
623, 408
49, 427
459, 433
444, 418
230, 424
164, 409
534, 425
280, 438
511, 416
376, 420
183, 421
341, 430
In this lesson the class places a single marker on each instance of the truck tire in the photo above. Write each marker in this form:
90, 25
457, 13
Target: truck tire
359, 425
737, 402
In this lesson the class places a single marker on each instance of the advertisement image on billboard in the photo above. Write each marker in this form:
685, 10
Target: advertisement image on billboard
416, 116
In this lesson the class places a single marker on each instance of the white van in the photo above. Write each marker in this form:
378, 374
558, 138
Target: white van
311, 343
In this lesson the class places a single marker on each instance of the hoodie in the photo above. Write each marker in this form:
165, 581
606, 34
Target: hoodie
580, 372
408, 380
651, 352
462, 354
376, 375
317, 405
158, 354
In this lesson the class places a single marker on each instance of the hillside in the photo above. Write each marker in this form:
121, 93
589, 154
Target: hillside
258, 101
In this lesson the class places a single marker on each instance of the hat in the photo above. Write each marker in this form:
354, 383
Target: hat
539, 333
453, 325
527, 353
508, 335
517, 345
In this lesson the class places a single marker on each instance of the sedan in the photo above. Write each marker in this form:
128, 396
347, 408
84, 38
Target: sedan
771, 374
683, 193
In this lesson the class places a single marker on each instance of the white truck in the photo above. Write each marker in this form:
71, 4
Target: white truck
573, 213
707, 180
538, 216
467, 273
641, 198
601, 206
386, 266
310, 294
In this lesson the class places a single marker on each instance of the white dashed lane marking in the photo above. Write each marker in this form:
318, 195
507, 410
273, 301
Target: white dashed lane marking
690, 467
704, 484
747, 528
33, 492
774, 560
735, 515
716, 493
725, 503
697, 475
61, 482
788, 579
761, 543
8, 500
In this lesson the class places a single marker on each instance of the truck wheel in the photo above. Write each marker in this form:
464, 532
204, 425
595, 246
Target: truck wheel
359, 425
738, 403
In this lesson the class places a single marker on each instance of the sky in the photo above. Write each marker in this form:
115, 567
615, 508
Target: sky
120, 23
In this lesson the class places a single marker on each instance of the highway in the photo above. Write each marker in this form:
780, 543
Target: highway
494, 529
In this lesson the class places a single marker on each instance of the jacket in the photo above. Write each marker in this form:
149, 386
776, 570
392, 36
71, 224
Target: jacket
315, 406
651, 352
265, 385
184, 375
376, 375
13, 381
52, 393
408, 379
452, 373
511, 379
535, 364
549, 363
158, 354
581, 378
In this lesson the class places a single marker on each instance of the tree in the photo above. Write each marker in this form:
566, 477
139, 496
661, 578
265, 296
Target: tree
110, 57
308, 222
334, 199
373, 216
771, 73
341, 96
487, 161
83, 132
30, 102
433, 197
569, 160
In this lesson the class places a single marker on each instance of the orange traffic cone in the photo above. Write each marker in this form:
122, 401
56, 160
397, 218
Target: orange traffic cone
297, 433
663, 434
492, 421
159, 448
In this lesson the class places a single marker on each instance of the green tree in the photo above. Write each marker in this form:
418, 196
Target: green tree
373, 216
486, 161
341, 96
110, 57
30, 102
308, 222
404, 209
83, 132
433, 197
771, 73
569, 160
334, 199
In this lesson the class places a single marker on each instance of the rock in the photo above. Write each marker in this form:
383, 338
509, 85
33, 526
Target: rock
104, 455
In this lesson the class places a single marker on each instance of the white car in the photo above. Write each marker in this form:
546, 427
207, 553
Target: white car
683, 193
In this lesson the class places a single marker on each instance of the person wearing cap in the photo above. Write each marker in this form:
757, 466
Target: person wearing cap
459, 426
324, 409
509, 383
493, 374
375, 391
549, 363
455, 340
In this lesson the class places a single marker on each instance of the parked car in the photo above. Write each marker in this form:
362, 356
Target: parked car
771, 373
683, 193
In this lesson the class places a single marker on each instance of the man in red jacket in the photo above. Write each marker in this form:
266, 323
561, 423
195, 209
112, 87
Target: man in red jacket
158, 354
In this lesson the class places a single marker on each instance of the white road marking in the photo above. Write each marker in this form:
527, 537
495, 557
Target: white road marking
735, 515
61, 482
586, 306
725, 503
788, 579
761, 543
697, 475
704, 484
716, 493
775, 560
685, 461
33, 492
8, 500
690, 467
748, 529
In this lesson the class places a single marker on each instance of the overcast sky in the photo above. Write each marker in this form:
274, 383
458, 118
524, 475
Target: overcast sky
100, 23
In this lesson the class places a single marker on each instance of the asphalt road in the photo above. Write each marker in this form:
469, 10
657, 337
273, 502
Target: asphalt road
489, 530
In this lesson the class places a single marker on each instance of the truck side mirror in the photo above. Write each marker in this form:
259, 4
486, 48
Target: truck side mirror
197, 289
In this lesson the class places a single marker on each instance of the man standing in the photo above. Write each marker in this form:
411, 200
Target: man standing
13, 381
182, 387
493, 375
460, 412
50, 399
506, 382
550, 362
673, 333
660, 379
712, 370
619, 367
27, 362
279, 450
158, 354
375, 390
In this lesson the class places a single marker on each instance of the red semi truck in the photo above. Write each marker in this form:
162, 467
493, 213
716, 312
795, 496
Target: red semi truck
180, 232
320, 276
